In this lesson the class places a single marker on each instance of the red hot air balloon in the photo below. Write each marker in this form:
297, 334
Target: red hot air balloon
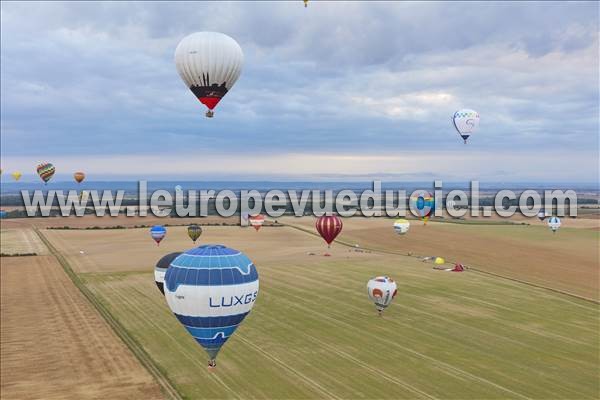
329, 226
256, 221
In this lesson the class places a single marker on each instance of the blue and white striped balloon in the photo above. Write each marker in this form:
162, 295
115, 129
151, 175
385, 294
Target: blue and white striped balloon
211, 289
158, 233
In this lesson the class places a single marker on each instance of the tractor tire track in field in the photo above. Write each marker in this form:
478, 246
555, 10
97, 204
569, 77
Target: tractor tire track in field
375, 371
137, 350
546, 388
446, 320
448, 368
296, 373
514, 280
148, 318
306, 379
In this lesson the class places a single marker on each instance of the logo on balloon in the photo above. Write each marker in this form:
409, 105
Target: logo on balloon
233, 301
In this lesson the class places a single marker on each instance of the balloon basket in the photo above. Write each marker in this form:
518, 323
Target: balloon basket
210, 114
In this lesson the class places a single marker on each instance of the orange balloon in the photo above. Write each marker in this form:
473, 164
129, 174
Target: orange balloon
79, 176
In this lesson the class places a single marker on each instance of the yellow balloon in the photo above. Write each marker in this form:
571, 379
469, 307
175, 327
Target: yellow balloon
16, 175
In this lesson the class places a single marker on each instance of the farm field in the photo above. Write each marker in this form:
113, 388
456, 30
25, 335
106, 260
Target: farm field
21, 241
567, 261
54, 345
313, 330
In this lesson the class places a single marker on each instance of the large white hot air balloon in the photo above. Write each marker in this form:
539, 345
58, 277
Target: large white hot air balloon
466, 122
382, 291
209, 63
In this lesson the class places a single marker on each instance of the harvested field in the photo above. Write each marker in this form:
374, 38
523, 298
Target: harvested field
567, 260
21, 241
313, 331
54, 345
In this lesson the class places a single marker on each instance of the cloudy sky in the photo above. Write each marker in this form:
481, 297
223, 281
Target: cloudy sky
339, 90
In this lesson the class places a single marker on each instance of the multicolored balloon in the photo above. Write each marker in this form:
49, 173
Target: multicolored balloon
46, 171
211, 289
79, 176
329, 227
158, 233
16, 175
256, 221
209, 63
422, 204
194, 231
401, 226
554, 223
382, 290
161, 269
466, 122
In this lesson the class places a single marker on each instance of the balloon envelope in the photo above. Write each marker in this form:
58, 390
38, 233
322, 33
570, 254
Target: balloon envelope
401, 226
381, 291
211, 289
466, 122
194, 231
541, 215
79, 176
16, 175
422, 204
158, 232
554, 223
256, 221
329, 227
209, 63
161, 269
46, 171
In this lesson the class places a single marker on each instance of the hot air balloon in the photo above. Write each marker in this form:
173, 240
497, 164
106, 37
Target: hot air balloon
46, 171
16, 175
257, 221
423, 204
382, 291
305, 3
439, 261
401, 226
211, 289
542, 215
161, 269
466, 122
209, 63
329, 226
158, 232
554, 223
79, 176
194, 231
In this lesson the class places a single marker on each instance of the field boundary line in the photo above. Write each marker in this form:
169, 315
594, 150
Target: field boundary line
166, 385
376, 250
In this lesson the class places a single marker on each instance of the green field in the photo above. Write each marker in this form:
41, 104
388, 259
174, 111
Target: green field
314, 334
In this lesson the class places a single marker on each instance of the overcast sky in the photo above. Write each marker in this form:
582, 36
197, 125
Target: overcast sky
338, 90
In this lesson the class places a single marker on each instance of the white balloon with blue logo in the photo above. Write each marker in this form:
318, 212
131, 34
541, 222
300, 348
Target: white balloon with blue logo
554, 223
211, 289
